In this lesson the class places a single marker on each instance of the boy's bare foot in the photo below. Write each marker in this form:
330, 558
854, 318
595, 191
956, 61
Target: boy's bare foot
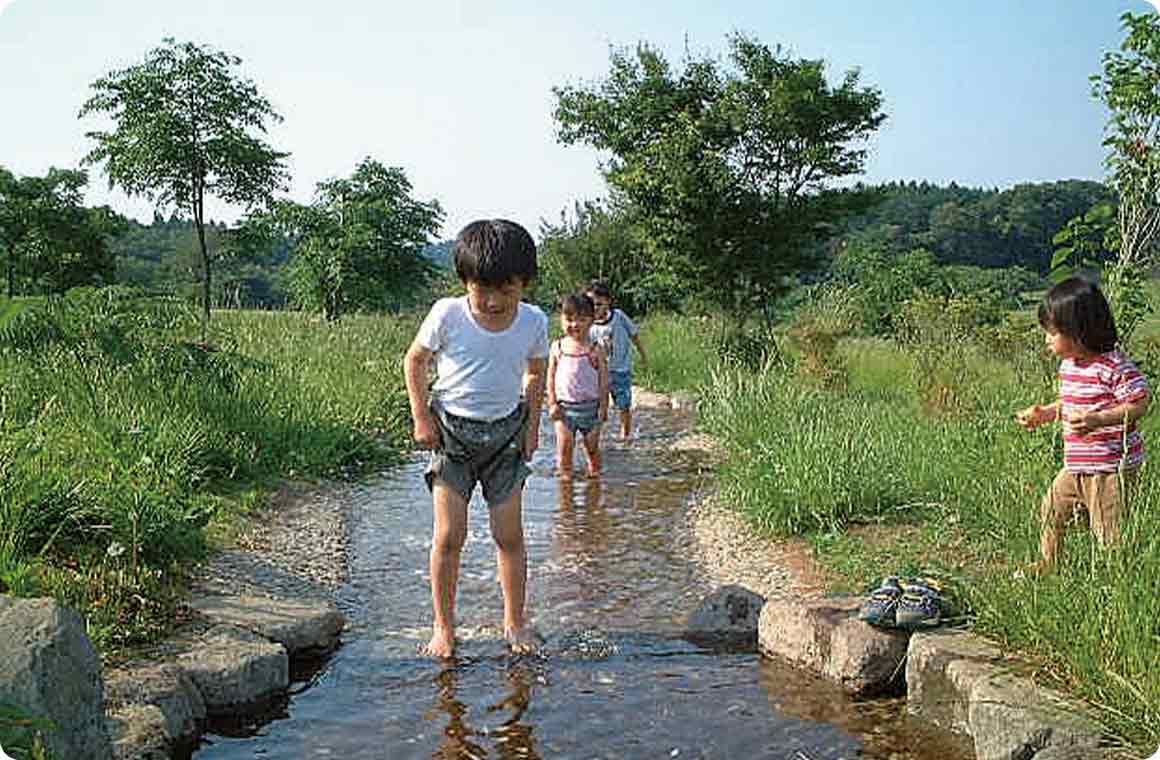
522, 640
442, 644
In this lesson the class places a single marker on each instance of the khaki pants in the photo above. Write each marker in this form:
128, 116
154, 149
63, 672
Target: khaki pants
1102, 497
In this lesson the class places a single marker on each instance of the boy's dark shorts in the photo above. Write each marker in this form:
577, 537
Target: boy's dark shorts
490, 453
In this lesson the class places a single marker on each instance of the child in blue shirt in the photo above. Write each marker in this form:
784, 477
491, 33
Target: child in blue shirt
614, 331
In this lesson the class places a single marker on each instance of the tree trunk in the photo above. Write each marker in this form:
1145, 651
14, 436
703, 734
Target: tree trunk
199, 222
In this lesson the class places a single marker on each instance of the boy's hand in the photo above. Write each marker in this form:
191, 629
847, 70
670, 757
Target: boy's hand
1034, 416
531, 441
554, 411
426, 432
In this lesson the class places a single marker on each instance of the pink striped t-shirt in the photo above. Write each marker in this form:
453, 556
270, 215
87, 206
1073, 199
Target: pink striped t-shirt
1105, 382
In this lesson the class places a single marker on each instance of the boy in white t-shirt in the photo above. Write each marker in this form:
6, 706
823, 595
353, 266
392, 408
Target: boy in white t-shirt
489, 350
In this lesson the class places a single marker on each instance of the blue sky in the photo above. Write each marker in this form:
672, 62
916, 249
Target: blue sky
458, 93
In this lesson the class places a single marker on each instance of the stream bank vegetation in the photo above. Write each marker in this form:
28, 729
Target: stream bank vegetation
899, 454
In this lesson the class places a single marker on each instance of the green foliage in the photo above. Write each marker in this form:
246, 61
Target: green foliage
601, 241
120, 440
360, 246
970, 226
22, 736
183, 129
725, 170
49, 240
1127, 87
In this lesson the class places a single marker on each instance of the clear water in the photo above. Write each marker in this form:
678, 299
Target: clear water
610, 586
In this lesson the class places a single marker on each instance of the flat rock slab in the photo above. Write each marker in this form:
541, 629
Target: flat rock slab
960, 682
49, 669
297, 625
826, 637
234, 667
164, 686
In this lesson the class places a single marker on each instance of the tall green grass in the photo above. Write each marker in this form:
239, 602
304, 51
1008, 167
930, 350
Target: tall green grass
960, 484
121, 440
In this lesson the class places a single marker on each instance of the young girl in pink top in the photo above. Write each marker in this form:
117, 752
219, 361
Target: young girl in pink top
577, 385
1102, 395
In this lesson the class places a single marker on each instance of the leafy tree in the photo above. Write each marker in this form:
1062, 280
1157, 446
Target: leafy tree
601, 241
359, 245
50, 241
725, 168
184, 129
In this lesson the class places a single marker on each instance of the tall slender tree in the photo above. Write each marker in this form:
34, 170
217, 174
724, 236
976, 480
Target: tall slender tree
186, 127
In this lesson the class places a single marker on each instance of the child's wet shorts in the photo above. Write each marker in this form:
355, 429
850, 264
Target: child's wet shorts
620, 386
490, 453
581, 416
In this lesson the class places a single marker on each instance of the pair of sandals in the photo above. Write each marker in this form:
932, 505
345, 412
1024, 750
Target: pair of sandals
909, 603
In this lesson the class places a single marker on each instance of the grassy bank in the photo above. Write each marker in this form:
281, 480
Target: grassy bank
911, 463
123, 443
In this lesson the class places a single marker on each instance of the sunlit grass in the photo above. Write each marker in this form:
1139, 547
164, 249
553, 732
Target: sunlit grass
881, 480
121, 441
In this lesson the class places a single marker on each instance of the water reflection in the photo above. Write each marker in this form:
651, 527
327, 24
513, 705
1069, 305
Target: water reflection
512, 738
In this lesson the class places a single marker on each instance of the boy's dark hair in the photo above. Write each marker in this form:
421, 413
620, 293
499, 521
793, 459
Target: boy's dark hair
493, 251
599, 288
1076, 308
577, 304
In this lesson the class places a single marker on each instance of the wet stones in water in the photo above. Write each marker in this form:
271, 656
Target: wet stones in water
727, 617
587, 644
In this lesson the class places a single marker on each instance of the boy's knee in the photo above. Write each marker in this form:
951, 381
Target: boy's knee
449, 541
509, 540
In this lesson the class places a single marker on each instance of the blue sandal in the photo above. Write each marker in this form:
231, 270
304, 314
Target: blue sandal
879, 608
921, 604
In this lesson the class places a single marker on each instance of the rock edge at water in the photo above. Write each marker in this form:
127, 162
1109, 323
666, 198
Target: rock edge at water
955, 680
257, 607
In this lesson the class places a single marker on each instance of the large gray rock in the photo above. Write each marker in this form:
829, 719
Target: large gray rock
960, 682
728, 616
49, 669
296, 625
826, 637
233, 667
164, 686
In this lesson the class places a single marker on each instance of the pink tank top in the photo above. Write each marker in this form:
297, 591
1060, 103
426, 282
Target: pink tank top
577, 375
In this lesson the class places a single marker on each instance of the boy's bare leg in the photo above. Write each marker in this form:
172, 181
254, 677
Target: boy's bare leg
626, 423
565, 446
449, 533
507, 528
592, 449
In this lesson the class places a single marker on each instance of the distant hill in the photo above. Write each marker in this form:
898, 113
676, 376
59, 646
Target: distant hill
440, 253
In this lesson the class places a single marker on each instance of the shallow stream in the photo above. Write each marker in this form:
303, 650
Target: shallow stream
611, 582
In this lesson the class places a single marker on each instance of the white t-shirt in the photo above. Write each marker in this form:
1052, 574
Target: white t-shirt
480, 372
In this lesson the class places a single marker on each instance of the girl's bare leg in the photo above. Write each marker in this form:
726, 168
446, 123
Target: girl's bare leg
592, 449
450, 531
565, 446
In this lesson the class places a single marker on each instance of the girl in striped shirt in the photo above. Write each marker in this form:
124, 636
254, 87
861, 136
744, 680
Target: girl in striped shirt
1102, 395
